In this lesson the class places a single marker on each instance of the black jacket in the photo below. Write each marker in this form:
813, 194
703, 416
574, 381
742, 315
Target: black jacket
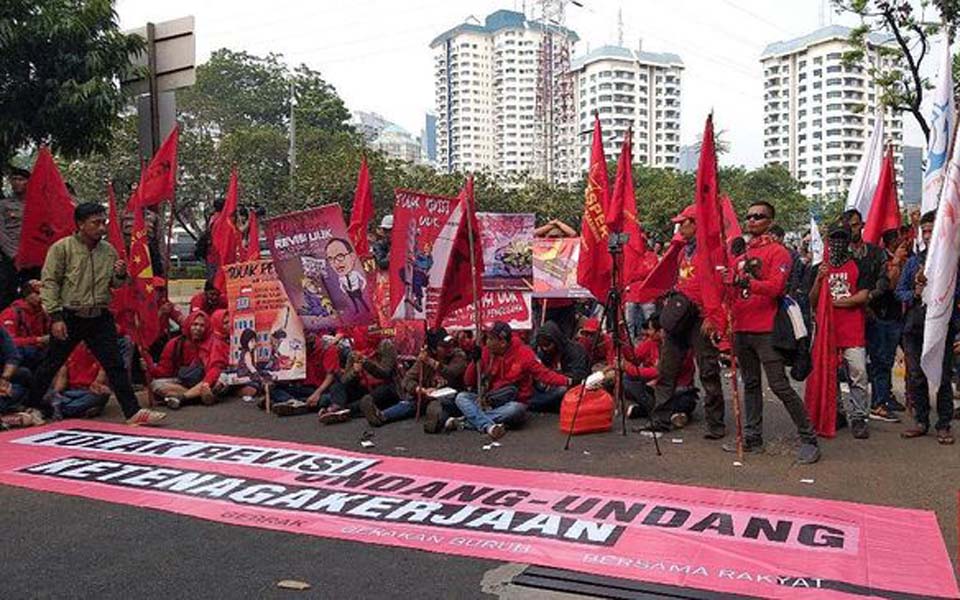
573, 358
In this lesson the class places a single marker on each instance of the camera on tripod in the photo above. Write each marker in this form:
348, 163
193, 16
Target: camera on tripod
616, 242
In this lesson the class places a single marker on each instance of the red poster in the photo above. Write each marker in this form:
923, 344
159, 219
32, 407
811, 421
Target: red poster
714, 542
511, 307
324, 278
416, 271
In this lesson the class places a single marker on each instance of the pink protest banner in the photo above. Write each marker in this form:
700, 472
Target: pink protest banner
416, 271
266, 335
322, 274
718, 542
555, 268
507, 241
511, 307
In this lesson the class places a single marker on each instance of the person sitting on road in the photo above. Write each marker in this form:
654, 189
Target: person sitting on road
365, 374
14, 383
439, 366
190, 365
323, 365
80, 388
509, 369
209, 300
220, 339
28, 324
561, 354
640, 375
600, 352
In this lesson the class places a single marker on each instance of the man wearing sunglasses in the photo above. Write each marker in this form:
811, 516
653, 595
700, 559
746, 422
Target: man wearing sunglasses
759, 281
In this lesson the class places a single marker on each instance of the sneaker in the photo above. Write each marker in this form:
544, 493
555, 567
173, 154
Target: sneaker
289, 409
808, 454
882, 413
859, 429
715, 433
632, 411
896, 406
146, 417
335, 416
496, 431
172, 402
35, 416
748, 448
454, 424
371, 412
433, 418
679, 420
248, 399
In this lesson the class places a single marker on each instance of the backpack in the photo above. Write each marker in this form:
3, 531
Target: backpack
678, 314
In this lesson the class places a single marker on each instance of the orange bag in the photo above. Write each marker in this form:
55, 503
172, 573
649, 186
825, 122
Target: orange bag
595, 414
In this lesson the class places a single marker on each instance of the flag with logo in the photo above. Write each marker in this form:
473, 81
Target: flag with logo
943, 118
593, 270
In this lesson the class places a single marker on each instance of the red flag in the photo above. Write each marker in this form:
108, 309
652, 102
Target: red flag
157, 183
663, 277
884, 210
731, 227
362, 211
226, 239
461, 285
47, 212
114, 231
147, 323
621, 215
253, 237
820, 395
593, 269
711, 238
120, 305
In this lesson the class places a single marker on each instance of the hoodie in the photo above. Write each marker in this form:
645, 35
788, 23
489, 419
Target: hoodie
25, 324
571, 359
517, 366
210, 351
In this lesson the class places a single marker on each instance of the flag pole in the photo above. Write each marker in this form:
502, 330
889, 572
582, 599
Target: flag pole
477, 304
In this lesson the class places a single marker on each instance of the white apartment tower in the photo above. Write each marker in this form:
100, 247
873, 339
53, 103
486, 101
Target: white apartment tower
629, 87
492, 102
818, 113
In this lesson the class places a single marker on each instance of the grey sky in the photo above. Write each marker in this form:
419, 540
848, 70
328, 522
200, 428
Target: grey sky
375, 52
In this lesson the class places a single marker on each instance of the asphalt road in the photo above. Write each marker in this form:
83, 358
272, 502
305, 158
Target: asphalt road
56, 546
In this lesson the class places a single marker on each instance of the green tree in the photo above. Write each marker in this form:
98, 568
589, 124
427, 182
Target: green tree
60, 61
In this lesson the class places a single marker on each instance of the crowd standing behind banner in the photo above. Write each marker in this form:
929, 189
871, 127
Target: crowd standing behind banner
64, 357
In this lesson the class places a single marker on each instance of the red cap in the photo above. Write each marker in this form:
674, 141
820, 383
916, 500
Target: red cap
590, 325
689, 212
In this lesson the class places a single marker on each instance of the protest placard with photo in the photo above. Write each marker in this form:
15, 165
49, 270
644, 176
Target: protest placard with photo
555, 268
507, 241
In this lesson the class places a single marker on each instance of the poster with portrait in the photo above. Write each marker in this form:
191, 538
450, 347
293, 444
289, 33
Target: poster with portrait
322, 274
266, 336
555, 268
415, 265
507, 241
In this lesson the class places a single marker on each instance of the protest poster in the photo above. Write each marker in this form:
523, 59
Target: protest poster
510, 306
322, 274
699, 542
266, 336
416, 269
507, 241
555, 268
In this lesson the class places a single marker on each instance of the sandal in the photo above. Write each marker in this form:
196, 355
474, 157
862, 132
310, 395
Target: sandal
944, 437
913, 432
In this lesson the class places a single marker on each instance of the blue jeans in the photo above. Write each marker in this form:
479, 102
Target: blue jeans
547, 399
882, 340
405, 409
285, 392
17, 394
76, 403
31, 356
509, 412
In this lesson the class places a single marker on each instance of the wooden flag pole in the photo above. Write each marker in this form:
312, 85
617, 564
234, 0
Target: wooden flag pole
477, 304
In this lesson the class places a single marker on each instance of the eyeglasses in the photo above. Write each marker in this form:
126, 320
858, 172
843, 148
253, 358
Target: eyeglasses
338, 257
756, 217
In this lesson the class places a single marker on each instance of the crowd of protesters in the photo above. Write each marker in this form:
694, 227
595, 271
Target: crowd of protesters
63, 356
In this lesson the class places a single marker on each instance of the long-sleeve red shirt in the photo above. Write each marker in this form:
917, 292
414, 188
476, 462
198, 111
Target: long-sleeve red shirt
25, 324
755, 307
517, 366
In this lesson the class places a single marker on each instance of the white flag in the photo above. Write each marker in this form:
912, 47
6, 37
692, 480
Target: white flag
943, 252
942, 120
864, 184
816, 242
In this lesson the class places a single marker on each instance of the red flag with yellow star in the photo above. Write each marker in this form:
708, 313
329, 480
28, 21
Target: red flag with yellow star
144, 296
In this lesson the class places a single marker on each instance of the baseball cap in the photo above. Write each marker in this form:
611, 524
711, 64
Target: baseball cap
386, 222
689, 212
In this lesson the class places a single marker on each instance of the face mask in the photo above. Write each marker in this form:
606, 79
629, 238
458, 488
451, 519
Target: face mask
839, 252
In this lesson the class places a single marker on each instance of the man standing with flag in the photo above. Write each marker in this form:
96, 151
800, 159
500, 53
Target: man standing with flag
78, 274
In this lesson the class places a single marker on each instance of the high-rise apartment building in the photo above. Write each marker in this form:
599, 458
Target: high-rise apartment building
504, 98
630, 88
819, 112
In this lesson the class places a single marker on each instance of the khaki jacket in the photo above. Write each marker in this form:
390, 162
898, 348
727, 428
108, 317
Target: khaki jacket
76, 277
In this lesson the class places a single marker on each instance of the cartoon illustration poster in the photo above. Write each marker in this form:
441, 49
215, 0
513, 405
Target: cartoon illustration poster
555, 268
417, 221
322, 274
266, 336
507, 241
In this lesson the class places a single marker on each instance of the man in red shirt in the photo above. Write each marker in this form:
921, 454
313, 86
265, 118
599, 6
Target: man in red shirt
190, 365
509, 369
28, 324
698, 336
760, 278
80, 388
640, 373
323, 364
844, 283
600, 353
208, 300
